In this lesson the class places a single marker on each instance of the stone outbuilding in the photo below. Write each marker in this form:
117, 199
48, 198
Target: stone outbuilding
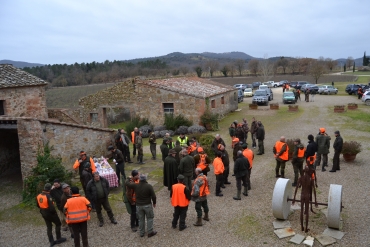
25, 127
152, 99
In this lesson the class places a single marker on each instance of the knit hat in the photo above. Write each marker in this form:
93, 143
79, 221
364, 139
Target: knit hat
236, 140
297, 140
142, 177
56, 180
180, 177
172, 151
245, 145
65, 186
310, 137
337, 132
47, 187
75, 190
110, 148
134, 173
322, 130
200, 149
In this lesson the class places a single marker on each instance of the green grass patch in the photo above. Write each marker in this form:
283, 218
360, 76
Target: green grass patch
363, 80
247, 226
357, 73
118, 125
22, 214
157, 173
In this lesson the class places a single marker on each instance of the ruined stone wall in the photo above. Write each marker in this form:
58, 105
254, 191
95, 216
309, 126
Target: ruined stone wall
117, 100
69, 139
62, 115
24, 101
30, 140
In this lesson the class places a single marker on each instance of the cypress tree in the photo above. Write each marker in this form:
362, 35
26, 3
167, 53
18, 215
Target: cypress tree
344, 68
354, 65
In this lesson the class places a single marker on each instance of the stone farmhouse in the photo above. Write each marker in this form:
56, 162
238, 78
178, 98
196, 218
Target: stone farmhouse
152, 99
25, 126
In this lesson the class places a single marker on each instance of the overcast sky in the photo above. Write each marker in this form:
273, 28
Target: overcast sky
69, 31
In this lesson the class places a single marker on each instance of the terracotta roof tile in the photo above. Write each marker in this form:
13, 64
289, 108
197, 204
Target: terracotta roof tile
192, 86
11, 76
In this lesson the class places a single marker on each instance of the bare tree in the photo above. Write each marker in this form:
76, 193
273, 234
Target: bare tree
294, 65
239, 64
349, 62
330, 63
211, 66
283, 62
304, 65
225, 70
253, 66
317, 69
184, 70
266, 69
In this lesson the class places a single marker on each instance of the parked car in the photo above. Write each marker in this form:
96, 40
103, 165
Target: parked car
301, 83
310, 86
240, 96
268, 90
260, 97
289, 97
248, 86
274, 84
366, 98
256, 84
240, 86
248, 92
327, 89
293, 84
351, 89
281, 83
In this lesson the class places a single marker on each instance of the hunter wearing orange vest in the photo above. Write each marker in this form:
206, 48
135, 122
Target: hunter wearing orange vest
202, 161
180, 198
248, 153
219, 168
77, 210
199, 194
133, 139
50, 215
131, 197
298, 159
281, 150
80, 163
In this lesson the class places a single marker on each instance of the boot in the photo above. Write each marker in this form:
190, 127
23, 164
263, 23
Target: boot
237, 197
245, 191
277, 173
141, 159
282, 174
199, 222
206, 217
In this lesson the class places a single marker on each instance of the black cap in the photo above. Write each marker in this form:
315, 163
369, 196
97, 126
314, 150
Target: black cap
110, 148
337, 132
134, 173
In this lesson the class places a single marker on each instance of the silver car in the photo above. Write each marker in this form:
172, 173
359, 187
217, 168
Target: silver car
366, 98
327, 89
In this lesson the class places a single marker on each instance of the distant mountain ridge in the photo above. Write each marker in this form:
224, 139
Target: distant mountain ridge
177, 59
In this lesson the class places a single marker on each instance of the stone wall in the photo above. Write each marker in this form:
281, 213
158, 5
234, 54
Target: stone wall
69, 139
117, 101
62, 115
26, 101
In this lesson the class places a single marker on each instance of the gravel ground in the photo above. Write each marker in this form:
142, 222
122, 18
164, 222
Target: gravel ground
247, 222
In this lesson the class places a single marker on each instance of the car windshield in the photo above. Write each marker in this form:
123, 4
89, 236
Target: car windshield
288, 94
248, 90
260, 93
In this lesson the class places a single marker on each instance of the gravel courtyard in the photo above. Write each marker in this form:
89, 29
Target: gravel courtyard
247, 222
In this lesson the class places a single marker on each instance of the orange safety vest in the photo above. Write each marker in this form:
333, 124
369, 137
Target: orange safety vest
133, 194
192, 147
203, 190
202, 162
311, 159
133, 137
178, 196
218, 166
279, 145
247, 153
301, 152
42, 201
77, 210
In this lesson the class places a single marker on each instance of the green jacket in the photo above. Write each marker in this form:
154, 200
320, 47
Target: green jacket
323, 144
187, 166
144, 192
